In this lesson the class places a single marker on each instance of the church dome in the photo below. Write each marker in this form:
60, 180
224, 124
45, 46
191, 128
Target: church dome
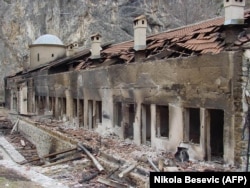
48, 39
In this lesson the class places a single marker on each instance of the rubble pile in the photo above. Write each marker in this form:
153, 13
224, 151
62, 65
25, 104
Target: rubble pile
102, 161
118, 155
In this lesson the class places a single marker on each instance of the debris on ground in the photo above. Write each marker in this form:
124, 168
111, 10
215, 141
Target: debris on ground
102, 161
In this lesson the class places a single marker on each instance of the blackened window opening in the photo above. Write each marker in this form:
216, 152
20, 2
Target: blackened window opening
163, 121
216, 132
194, 125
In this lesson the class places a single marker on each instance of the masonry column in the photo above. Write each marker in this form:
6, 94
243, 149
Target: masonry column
208, 136
90, 114
12, 93
137, 125
246, 108
85, 113
33, 106
77, 112
57, 108
69, 105
18, 99
153, 123
144, 124
202, 131
31, 98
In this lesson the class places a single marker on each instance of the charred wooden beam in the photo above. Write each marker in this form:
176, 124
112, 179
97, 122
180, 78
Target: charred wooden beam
90, 177
127, 170
163, 54
49, 155
94, 160
108, 62
153, 165
62, 156
64, 161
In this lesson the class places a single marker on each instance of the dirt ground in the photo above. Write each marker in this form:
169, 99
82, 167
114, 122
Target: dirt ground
11, 178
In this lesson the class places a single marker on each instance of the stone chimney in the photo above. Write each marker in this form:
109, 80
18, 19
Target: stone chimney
234, 12
140, 27
72, 49
96, 46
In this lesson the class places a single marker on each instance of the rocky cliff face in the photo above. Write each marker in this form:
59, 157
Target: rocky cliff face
22, 21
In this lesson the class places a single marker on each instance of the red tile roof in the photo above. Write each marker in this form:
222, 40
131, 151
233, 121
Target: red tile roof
199, 38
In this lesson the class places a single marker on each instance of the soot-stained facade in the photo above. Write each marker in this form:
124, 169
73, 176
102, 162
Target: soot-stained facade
185, 87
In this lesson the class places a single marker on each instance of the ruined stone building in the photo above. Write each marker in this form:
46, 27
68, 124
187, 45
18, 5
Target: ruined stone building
189, 85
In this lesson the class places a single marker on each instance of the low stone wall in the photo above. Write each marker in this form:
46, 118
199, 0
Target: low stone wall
44, 141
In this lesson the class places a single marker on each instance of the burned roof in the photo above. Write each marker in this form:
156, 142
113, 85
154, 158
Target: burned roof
199, 38
196, 39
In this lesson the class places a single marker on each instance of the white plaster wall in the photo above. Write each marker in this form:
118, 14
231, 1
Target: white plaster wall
175, 131
107, 126
175, 126
45, 54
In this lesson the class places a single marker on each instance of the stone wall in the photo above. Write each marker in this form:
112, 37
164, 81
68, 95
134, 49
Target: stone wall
198, 81
44, 141
205, 82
